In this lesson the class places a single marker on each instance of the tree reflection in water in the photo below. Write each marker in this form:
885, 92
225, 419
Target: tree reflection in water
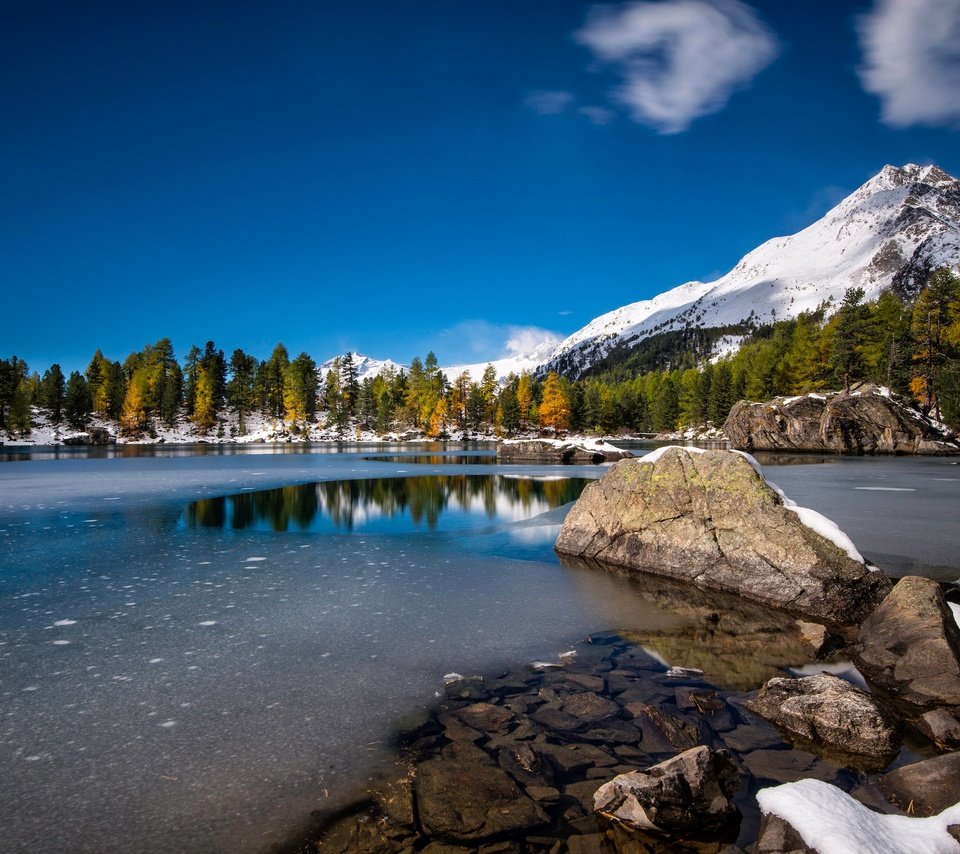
390, 503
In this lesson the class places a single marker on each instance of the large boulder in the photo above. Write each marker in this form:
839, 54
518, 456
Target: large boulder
829, 712
929, 786
709, 518
690, 793
868, 421
559, 452
910, 645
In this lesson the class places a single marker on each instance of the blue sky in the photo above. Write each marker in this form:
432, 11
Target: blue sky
391, 177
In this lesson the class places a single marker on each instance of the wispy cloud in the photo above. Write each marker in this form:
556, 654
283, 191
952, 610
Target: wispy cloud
598, 115
679, 59
911, 52
549, 103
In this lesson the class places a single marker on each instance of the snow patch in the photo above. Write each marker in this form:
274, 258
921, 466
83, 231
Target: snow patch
828, 819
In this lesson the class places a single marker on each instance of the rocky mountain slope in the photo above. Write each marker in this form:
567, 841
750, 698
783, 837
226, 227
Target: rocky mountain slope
891, 232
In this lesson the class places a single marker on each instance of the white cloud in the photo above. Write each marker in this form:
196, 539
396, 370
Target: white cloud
679, 59
598, 115
480, 340
549, 103
527, 339
911, 54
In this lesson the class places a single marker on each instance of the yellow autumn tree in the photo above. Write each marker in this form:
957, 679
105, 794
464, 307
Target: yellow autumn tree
554, 409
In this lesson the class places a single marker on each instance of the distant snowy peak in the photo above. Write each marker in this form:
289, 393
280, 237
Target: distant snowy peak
891, 232
366, 366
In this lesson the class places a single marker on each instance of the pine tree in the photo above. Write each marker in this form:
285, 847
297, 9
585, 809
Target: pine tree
525, 397
241, 386
847, 338
77, 402
934, 313
20, 421
52, 390
348, 382
12, 372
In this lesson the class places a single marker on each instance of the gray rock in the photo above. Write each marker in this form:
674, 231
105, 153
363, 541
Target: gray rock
690, 793
941, 727
829, 712
910, 645
778, 837
926, 787
865, 421
552, 453
710, 519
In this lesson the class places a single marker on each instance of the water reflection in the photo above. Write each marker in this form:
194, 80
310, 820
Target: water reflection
393, 504
477, 458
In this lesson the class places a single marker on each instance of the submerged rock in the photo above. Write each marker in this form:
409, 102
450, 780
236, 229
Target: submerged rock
690, 793
554, 451
470, 801
710, 518
830, 712
910, 645
868, 421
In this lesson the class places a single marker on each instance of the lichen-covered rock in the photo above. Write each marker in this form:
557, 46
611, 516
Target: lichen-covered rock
690, 793
556, 452
830, 712
867, 421
710, 518
910, 645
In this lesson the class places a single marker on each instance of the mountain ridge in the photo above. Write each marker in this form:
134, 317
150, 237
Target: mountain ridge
890, 232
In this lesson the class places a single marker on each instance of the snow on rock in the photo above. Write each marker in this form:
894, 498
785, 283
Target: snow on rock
891, 232
829, 820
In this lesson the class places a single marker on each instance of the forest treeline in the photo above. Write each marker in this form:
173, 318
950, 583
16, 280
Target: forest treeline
914, 348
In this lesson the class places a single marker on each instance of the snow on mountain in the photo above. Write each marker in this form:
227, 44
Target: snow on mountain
515, 363
891, 232
366, 366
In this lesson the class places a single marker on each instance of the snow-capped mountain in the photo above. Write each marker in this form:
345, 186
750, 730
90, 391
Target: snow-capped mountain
366, 366
891, 232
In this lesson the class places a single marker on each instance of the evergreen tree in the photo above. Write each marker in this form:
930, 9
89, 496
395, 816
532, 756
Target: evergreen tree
934, 313
847, 338
665, 407
273, 381
350, 387
508, 410
12, 372
171, 394
525, 397
241, 388
77, 402
20, 420
300, 392
52, 390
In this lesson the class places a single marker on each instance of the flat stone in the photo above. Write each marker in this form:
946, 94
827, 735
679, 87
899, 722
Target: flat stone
571, 759
786, 766
747, 737
543, 794
662, 731
553, 718
465, 802
930, 786
589, 707
486, 717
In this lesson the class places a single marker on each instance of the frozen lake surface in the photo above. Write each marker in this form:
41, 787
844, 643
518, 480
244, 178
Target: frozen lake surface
193, 662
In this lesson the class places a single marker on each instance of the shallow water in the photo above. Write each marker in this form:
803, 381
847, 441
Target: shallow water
173, 685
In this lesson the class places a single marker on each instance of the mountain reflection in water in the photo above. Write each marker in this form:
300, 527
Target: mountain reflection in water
393, 504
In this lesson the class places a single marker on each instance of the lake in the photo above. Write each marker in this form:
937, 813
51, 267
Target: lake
202, 645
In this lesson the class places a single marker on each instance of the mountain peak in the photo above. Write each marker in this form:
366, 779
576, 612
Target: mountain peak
889, 233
